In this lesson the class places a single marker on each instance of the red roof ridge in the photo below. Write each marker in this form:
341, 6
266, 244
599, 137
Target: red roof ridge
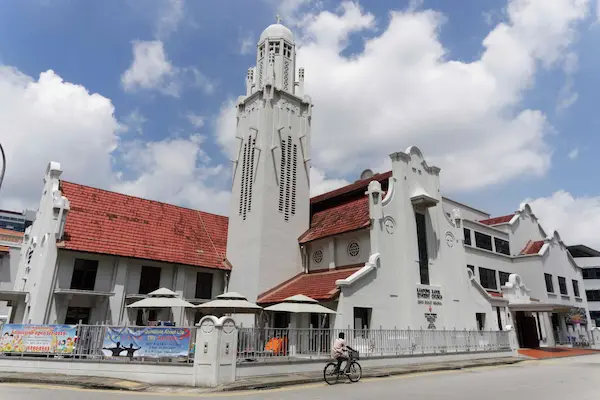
532, 247
139, 197
107, 222
350, 187
497, 220
11, 232
346, 217
319, 285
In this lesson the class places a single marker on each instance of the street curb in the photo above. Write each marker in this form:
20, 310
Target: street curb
129, 386
374, 374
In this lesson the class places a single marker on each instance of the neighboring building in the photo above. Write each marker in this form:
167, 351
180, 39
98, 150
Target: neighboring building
589, 260
92, 252
385, 251
16, 221
10, 252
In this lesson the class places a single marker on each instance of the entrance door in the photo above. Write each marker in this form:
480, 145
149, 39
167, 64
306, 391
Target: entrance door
527, 331
76, 314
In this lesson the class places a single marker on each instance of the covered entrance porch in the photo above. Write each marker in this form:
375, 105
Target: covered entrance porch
15, 301
542, 325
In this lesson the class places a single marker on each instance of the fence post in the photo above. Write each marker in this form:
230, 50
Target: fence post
215, 358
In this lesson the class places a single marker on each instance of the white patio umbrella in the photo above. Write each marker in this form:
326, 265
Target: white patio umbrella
230, 302
161, 298
300, 304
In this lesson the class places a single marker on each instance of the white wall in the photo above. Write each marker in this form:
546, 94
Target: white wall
391, 288
466, 212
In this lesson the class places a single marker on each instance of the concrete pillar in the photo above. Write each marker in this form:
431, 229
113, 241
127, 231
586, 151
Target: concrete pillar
216, 351
512, 335
179, 288
116, 303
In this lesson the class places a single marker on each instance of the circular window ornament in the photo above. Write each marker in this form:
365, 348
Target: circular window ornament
318, 256
390, 225
353, 249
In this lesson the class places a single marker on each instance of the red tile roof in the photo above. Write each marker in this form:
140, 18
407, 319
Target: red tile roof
356, 186
4, 249
112, 223
533, 247
495, 294
341, 218
497, 220
11, 232
319, 285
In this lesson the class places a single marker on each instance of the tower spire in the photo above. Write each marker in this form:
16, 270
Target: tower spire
278, 19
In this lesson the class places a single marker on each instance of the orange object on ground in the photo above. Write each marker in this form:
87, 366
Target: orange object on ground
276, 345
555, 352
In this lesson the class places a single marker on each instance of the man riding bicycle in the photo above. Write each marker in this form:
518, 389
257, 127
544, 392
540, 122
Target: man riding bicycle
339, 352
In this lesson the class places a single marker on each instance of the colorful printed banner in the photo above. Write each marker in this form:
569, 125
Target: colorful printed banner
146, 342
53, 339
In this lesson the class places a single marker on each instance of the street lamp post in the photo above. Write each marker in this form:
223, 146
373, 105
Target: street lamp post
3, 165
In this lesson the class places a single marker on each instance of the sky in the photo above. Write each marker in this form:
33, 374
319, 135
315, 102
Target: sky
136, 96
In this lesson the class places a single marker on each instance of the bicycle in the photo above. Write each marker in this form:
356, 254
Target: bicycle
355, 372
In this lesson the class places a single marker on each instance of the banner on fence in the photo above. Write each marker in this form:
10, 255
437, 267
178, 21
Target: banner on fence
146, 342
53, 339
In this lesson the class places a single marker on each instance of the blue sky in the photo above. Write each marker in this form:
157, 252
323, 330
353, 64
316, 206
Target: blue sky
143, 135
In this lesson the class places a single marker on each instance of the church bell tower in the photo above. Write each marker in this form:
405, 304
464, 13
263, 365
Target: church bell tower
270, 202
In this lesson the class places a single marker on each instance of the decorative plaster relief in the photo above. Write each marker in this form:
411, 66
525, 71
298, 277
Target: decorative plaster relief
318, 256
450, 239
390, 225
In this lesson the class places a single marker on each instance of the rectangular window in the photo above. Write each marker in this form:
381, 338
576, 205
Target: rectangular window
502, 246
595, 316
483, 241
503, 278
149, 279
576, 288
549, 283
422, 244
499, 316
480, 321
592, 295
591, 273
467, 233
204, 282
487, 278
362, 318
562, 285
84, 274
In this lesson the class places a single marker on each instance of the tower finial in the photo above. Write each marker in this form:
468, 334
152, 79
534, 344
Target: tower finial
278, 18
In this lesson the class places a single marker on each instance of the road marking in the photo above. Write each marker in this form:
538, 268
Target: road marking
256, 392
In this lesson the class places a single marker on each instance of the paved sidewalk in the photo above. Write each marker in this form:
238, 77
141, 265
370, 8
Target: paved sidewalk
254, 383
86, 382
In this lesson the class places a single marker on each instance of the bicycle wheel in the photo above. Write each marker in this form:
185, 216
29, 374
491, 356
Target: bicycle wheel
355, 372
329, 373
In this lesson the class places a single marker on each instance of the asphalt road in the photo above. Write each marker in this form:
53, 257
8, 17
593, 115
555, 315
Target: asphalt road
569, 378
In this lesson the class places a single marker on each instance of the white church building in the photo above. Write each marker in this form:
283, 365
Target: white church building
385, 251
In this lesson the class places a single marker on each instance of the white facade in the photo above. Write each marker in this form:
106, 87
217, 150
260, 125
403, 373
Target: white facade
10, 253
43, 282
406, 256
589, 261
270, 193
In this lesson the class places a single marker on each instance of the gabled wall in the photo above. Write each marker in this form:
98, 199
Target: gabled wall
390, 286
335, 250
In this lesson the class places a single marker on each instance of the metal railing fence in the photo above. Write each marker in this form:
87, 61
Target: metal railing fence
260, 344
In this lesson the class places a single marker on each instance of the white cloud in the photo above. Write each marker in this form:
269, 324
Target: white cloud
402, 89
150, 69
573, 154
134, 121
196, 120
175, 171
320, 184
49, 119
247, 43
575, 218
170, 16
